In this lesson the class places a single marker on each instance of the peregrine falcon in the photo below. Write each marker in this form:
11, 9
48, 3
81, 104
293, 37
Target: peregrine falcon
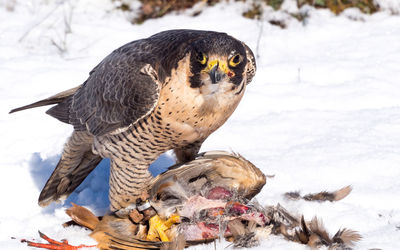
168, 91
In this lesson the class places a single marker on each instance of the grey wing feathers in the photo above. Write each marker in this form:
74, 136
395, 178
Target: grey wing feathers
60, 186
121, 90
76, 162
117, 93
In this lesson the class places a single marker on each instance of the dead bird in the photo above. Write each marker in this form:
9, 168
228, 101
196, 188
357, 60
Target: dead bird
190, 200
199, 201
312, 233
321, 196
216, 176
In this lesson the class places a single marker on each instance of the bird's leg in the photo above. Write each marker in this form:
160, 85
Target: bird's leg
188, 152
173, 219
127, 184
53, 244
158, 226
156, 229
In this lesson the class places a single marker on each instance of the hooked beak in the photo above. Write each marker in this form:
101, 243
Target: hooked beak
216, 74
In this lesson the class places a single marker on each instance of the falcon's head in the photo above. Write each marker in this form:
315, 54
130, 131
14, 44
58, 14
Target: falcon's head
220, 62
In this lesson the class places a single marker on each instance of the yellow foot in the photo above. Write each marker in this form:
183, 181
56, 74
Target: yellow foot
158, 226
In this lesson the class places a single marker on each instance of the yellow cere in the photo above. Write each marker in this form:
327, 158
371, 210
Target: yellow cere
222, 66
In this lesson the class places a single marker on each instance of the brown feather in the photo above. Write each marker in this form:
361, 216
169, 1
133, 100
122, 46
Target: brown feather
293, 195
347, 237
321, 196
112, 225
211, 169
83, 216
110, 241
237, 228
75, 164
244, 236
178, 243
303, 234
317, 227
342, 193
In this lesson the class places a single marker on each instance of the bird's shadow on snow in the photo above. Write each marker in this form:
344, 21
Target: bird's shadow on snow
93, 191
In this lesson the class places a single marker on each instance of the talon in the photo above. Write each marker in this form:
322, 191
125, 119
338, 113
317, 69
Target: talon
158, 226
53, 244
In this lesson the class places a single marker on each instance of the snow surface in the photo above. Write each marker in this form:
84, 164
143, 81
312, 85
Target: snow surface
322, 112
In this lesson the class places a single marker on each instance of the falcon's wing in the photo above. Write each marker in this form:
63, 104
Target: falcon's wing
60, 97
121, 90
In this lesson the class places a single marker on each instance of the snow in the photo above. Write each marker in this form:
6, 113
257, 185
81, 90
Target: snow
392, 6
323, 112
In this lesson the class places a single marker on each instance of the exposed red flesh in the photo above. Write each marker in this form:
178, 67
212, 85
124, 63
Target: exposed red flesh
208, 230
257, 217
215, 212
218, 193
237, 208
197, 203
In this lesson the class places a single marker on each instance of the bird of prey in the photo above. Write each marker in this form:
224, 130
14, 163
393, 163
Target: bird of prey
168, 91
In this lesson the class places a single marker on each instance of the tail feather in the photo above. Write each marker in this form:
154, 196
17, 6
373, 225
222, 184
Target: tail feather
83, 216
58, 98
76, 162
109, 241
321, 196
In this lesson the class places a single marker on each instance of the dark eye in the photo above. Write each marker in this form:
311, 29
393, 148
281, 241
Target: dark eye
235, 60
202, 58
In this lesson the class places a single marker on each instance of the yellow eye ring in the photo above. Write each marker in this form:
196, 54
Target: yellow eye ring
235, 60
202, 58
